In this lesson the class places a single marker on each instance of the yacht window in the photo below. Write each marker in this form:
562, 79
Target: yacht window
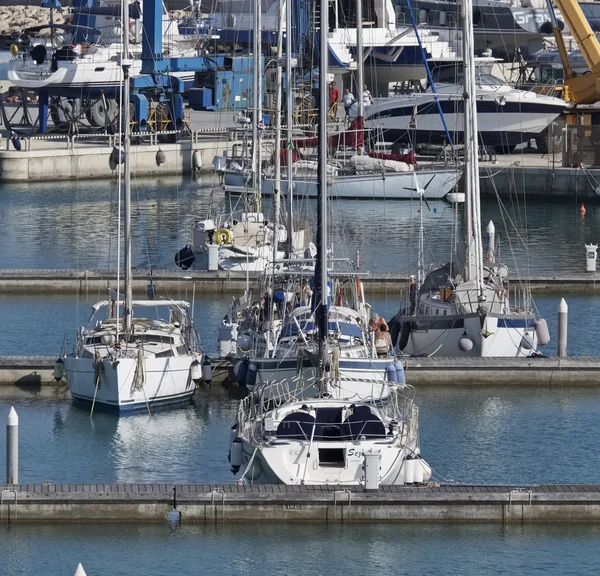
445, 311
427, 311
421, 308
437, 311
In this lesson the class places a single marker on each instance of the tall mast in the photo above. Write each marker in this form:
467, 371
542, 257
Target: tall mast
321, 260
474, 255
278, 100
257, 92
126, 65
360, 77
289, 97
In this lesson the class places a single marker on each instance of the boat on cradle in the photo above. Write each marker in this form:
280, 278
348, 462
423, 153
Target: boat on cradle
506, 116
124, 362
464, 308
79, 59
393, 50
288, 436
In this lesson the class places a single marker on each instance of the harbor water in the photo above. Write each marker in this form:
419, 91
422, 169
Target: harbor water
472, 435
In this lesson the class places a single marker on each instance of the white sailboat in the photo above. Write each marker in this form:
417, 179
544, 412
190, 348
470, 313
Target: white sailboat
464, 308
323, 429
128, 362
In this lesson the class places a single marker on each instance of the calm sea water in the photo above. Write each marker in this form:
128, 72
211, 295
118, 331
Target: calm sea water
468, 435
274, 550
73, 225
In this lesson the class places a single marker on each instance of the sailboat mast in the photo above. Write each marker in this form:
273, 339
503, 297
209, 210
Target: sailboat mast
278, 101
474, 254
289, 96
360, 75
321, 260
257, 92
126, 64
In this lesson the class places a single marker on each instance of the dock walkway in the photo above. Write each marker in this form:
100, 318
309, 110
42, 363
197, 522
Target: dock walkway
28, 371
89, 281
235, 503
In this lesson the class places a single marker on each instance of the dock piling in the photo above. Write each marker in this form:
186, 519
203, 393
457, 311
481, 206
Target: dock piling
12, 447
79, 570
563, 313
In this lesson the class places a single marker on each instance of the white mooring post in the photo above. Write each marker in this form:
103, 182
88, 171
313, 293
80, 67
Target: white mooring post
591, 256
563, 314
12, 447
371, 465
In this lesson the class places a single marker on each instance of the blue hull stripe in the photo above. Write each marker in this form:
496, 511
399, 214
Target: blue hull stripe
136, 406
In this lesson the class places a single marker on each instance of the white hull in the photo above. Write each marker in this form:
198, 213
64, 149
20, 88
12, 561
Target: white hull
391, 186
490, 341
231, 261
167, 381
297, 463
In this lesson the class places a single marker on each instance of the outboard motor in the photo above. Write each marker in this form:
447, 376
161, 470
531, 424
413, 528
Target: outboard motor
185, 258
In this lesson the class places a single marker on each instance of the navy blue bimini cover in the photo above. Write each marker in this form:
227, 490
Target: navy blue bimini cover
362, 422
296, 426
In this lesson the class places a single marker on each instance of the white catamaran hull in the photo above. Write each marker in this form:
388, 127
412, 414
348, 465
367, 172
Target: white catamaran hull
167, 381
500, 336
390, 186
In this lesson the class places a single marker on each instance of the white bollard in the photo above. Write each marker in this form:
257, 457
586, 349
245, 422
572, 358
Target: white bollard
563, 313
490, 255
12, 447
79, 571
371, 465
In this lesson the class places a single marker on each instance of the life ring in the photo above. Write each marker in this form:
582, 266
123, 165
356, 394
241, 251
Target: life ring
224, 236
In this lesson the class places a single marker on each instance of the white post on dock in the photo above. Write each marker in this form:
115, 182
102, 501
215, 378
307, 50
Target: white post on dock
490, 256
563, 313
371, 466
12, 447
79, 571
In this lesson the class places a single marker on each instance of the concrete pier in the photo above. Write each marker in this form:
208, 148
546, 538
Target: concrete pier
36, 371
94, 281
234, 503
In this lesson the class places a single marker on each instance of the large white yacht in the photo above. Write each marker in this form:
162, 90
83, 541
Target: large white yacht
506, 116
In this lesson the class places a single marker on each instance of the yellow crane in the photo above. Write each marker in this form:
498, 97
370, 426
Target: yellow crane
584, 89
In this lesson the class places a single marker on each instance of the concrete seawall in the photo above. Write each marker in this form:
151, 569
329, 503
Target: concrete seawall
220, 504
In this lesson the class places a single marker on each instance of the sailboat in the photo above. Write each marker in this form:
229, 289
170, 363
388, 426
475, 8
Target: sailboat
464, 308
317, 430
125, 362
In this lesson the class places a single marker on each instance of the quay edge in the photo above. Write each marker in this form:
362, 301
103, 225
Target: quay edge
234, 503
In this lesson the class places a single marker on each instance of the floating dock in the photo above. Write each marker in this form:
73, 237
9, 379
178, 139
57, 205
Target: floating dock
37, 372
82, 282
235, 503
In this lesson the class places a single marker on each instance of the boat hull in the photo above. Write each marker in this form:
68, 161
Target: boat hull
297, 463
499, 336
391, 186
167, 381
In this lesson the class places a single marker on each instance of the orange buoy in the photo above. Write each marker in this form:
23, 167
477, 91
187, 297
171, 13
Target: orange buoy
582, 209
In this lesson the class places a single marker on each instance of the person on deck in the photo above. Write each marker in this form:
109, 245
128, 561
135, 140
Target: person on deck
348, 100
334, 98
383, 340
367, 98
